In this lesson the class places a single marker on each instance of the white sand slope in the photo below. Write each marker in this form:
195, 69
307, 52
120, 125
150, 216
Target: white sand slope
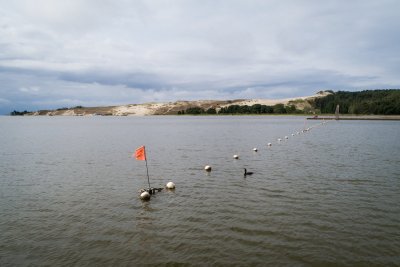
137, 109
271, 102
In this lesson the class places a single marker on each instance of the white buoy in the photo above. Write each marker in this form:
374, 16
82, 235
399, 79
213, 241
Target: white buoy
286, 137
297, 132
235, 156
207, 168
145, 195
170, 185
292, 134
269, 144
279, 139
255, 149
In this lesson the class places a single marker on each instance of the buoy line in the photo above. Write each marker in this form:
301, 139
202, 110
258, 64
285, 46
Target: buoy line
145, 194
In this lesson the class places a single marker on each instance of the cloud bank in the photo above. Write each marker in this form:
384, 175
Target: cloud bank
67, 53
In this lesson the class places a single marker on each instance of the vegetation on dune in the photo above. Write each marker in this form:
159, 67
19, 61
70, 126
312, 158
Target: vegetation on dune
259, 109
368, 102
245, 109
19, 113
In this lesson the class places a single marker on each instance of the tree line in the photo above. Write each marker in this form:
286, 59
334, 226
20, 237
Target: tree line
19, 113
376, 102
22, 113
367, 102
245, 109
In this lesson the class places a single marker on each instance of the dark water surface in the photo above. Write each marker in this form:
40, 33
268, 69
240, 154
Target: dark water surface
328, 197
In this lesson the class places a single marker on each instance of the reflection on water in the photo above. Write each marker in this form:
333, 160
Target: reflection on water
68, 191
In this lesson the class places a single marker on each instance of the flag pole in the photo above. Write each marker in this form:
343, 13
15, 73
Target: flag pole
147, 170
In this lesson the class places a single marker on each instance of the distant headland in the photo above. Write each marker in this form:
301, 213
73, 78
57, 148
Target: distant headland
368, 102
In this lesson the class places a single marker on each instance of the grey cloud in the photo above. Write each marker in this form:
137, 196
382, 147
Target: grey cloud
133, 51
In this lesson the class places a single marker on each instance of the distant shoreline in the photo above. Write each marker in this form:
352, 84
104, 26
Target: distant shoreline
353, 117
323, 102
306, 116
177, 107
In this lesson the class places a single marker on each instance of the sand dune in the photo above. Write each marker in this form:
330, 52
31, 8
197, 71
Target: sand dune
170, 108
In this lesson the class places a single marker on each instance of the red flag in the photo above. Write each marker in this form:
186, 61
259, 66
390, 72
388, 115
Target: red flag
140, 153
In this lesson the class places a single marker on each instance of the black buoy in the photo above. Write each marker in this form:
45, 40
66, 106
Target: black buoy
246, 172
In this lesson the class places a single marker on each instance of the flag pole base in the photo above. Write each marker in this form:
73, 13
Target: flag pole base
150, 190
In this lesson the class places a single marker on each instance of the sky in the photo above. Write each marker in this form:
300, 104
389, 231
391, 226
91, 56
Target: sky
56, 53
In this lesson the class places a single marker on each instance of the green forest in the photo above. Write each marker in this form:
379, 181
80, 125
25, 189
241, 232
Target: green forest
237, 109
376, 102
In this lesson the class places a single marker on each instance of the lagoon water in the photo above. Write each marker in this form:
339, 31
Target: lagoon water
328, 197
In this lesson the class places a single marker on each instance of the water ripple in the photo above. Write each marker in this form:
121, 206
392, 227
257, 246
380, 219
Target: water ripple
322, 198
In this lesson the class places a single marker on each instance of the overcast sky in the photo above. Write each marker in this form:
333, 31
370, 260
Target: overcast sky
59, 53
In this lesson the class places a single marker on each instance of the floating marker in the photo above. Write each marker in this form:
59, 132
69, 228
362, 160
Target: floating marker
235, 156
145, 195
292, 134
170, 185
255, 149
269, 144
279, 139
286, 137
207, 168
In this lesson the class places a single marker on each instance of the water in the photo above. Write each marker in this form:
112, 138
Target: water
328, 197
